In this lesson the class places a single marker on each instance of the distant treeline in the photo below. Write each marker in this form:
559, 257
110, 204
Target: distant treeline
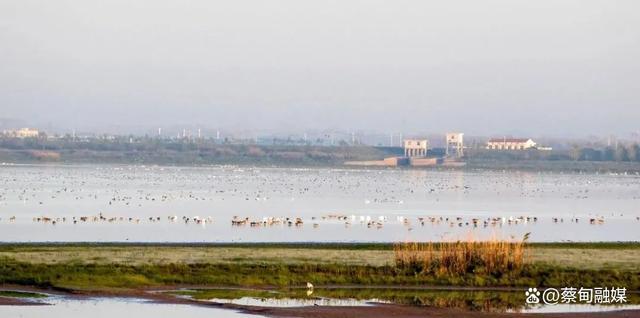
619, 153
147, 150
151, 150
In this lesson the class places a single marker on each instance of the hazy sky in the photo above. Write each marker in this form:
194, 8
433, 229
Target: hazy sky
483, 67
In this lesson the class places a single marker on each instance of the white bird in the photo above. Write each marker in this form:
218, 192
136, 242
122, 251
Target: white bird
309, 285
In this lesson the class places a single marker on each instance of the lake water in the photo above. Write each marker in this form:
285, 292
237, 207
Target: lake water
374, 205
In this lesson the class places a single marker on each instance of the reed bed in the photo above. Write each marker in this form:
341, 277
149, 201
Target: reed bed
494, 256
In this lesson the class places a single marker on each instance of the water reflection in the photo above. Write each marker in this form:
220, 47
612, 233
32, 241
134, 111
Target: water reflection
561, 308
467, 300
485, 301
296, 302
114, 307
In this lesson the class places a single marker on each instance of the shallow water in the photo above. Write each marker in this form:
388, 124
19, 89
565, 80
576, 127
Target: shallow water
485, 301
388, 197
114, 307
295, 302
467, 300
564, 308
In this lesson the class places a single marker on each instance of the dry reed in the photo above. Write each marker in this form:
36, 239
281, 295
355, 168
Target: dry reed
494, 256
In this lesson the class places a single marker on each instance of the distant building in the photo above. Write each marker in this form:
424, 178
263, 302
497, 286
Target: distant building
510, 144
455, 145
22, 133
415, 147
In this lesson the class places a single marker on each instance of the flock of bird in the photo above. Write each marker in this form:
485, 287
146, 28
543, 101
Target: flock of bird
139, 187
348, 220
128, 194
114, 219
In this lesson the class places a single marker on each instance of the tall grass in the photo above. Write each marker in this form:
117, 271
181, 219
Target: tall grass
494, 256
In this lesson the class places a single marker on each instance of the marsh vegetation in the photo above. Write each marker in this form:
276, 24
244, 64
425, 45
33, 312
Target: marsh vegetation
97, 267
493, 256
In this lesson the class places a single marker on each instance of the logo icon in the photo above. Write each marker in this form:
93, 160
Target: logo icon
533, 296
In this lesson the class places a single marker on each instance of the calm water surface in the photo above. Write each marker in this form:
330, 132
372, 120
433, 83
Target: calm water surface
114, 307
475, 301
377, 205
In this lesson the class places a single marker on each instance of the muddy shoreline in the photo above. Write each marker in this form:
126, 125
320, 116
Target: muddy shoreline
155, 295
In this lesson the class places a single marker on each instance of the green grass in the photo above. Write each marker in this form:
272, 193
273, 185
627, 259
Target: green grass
114, 266
98, 276
595, 256
7, 246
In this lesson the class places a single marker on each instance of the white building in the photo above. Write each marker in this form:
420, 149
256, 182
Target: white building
22, 133
455, 145
415, 147
510, 144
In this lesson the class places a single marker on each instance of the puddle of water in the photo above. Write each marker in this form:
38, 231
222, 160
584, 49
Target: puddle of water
485, 301
270, 298
63, 307
561, 308
296, 302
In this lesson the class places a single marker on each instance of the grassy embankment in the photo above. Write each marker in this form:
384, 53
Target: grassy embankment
114, 266
194, 154
154, 152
